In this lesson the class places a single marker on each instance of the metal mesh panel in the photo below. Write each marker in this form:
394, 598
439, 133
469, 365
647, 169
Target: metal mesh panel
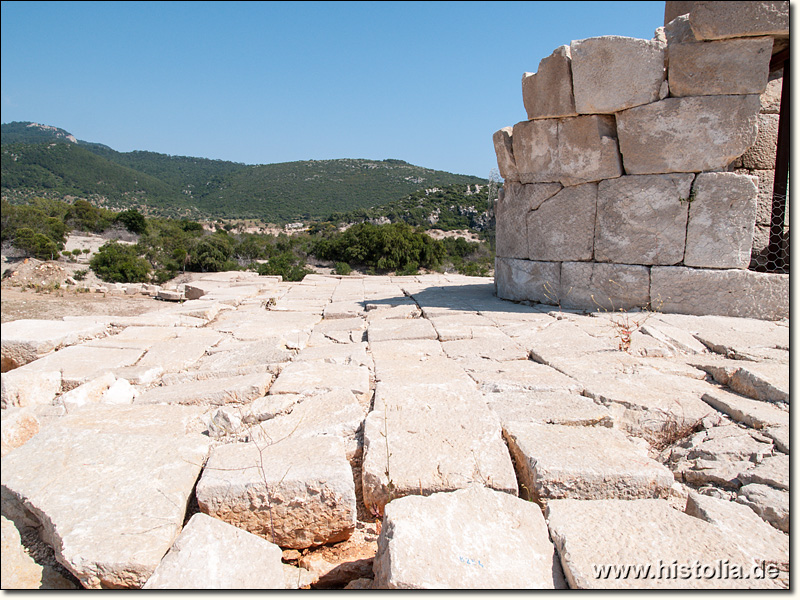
771, 240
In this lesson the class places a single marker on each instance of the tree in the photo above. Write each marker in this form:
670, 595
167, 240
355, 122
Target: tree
120, 263
133, 221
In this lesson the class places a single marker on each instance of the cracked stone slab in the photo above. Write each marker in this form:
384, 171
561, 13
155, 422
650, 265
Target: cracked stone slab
769, 503
556, 408
517, 376
226, 390
484, 539
587, 463
25, 340
295, 493
397, 329
210, 554
743, 527
110, 504
645, 532
308, 378
487, 343
462, 439
772, 471
753, 413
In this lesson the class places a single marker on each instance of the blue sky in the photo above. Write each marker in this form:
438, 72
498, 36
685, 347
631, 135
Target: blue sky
267, 82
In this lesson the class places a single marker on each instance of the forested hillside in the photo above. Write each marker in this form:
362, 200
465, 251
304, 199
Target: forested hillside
46, 161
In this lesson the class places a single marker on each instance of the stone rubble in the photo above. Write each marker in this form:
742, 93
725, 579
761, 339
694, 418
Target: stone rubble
452, 405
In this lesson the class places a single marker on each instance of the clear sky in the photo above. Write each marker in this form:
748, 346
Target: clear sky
267, 82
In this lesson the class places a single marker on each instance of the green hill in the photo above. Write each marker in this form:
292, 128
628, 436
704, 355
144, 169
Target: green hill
44, 160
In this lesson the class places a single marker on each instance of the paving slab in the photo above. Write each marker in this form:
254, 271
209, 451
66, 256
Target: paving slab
557, 408
461, 436
295, 493
188, 346
397, 329
313, 377
110, 504
517, 376
485, 342
210, 554
753, 413
25, 340
772, 471
467, 539
769, 503
642, 544
27, 387
589, 463
227, 390
17, 426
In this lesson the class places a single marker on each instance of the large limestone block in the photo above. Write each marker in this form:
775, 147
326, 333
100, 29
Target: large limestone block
110, 504
536, 281
461, 326
722, 218
768, 382
315, 378
604, 286
20, 571
744, 528
558, 408
18, 425
504, 150
517, 376
225, 390
719, 68
761, 154
210, 554
462, 440
24, 387
612, 73
471, 538
511, 215
588, 149
400, 329
769, 503
547, 94
337, 414
535, 151
238, 355
681, 135
753, 413
641, 219
772, 471
562, 228
588, 463
485, 342
26, 340
188, 347
79, 364
720, 20
603, 543
729, 292
295, 493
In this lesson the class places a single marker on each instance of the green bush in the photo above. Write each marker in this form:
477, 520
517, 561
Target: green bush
133, 221
285, 264
37, 245
342, 268
117, 262
80, 274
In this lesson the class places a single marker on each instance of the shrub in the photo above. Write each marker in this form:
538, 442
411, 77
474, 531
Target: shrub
342, 268
117, 262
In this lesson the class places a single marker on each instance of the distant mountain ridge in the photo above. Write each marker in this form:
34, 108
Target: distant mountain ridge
46, 160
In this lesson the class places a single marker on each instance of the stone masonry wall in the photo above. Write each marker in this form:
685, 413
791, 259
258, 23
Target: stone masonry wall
637, 177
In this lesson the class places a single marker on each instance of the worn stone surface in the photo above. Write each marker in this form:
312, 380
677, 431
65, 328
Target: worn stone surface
397, 329
312, 377
485, 342
731, 292
112, 542
26, 340
20, 571
604, 286
772, 471
766, 382
296, 493
769, 503
641, 219
587, 150
463, 444
612, 73
746, 530
226, 390
484, 539
722, 217
646, 532
535, 151
680, 135
512, 214
720, 20
537, 281
589, 463
27, 387
761, 155
547, 93
210, 554
562, 228
759, 415
504, 150
719, 68
18, 425
558, 408
517, 375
